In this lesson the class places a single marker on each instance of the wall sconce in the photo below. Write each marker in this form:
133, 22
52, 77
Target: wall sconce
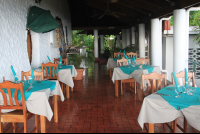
38, 1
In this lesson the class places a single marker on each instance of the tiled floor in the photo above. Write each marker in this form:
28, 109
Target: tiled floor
93, 108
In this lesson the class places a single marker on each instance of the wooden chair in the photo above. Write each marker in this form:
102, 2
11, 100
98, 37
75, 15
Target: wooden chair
121, 54
20, 114
51, 73
64, 61
38, 75
132, 81
142, 61
122, 62
181, 75
131, 54
156, 80
116, 54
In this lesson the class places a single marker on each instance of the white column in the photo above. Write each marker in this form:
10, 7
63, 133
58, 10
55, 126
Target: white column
124, 38
96, 54
133, 34
128, 40
156, 49
102, 44
35, 50
179, 40
118, 41
142, 40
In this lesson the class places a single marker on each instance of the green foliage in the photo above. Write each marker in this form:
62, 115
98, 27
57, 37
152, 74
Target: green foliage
76, 59
195, 18
172, 21
82, 39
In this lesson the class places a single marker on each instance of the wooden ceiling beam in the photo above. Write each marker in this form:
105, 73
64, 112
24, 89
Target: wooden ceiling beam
98, 28
151, 4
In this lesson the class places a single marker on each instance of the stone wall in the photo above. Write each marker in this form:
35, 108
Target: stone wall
13, 34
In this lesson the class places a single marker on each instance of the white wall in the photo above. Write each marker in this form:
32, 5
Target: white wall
13, 35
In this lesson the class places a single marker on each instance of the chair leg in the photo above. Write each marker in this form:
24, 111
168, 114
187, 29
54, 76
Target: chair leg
135, 87
72, 89
174, 123
14, 127
121, 89
25, 126
36, 124
1, 127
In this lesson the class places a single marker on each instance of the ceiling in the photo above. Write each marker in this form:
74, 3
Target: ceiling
94, 14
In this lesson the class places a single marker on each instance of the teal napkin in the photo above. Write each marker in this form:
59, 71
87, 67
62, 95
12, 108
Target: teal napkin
124, 52
134, 59
32, 74
119, 53
127, 60
176, 82
186, 78
183, 102
13, 71
49, 58
60, 60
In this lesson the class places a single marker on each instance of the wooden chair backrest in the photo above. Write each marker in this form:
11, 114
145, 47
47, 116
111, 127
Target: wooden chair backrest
64, 61
116, 54
142, 61
18, 88
37, 74
122, 62
51, 74
182, 75
155, 77
131, 54
121, 54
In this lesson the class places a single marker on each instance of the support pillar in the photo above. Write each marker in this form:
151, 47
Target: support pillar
142, 40
123, 38
118, 41
128, 40
96, 54
102, 44
133, 34
35, 50
156, 48
179, 40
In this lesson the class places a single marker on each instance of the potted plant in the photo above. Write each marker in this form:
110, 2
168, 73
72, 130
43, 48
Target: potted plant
77, 59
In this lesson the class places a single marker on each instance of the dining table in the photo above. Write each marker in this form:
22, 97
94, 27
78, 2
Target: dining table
37, 100
127, 72
112, 63
66, 74
164, 107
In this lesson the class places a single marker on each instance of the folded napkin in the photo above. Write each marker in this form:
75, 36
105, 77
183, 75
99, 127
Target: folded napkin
13, 71
127, 60
134, 59
124, 52
60, 60
49, 58
32, 74
186, 78
176, 82
119, 53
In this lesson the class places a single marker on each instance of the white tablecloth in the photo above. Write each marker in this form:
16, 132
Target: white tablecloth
155, 109
38, 102
118, 74
65, 75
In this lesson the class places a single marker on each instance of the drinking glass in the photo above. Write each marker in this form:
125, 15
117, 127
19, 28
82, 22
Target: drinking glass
184, 89
178, 92
191, 91
30, 82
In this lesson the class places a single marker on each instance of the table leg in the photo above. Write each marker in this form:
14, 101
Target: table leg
55, 108
116, 87
72, 89
43, 124
67, 92
110, 70
151, 128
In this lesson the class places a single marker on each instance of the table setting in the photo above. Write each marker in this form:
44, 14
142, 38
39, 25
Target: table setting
171, 102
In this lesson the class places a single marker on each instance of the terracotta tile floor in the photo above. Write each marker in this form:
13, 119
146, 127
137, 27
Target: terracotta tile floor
93, 108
